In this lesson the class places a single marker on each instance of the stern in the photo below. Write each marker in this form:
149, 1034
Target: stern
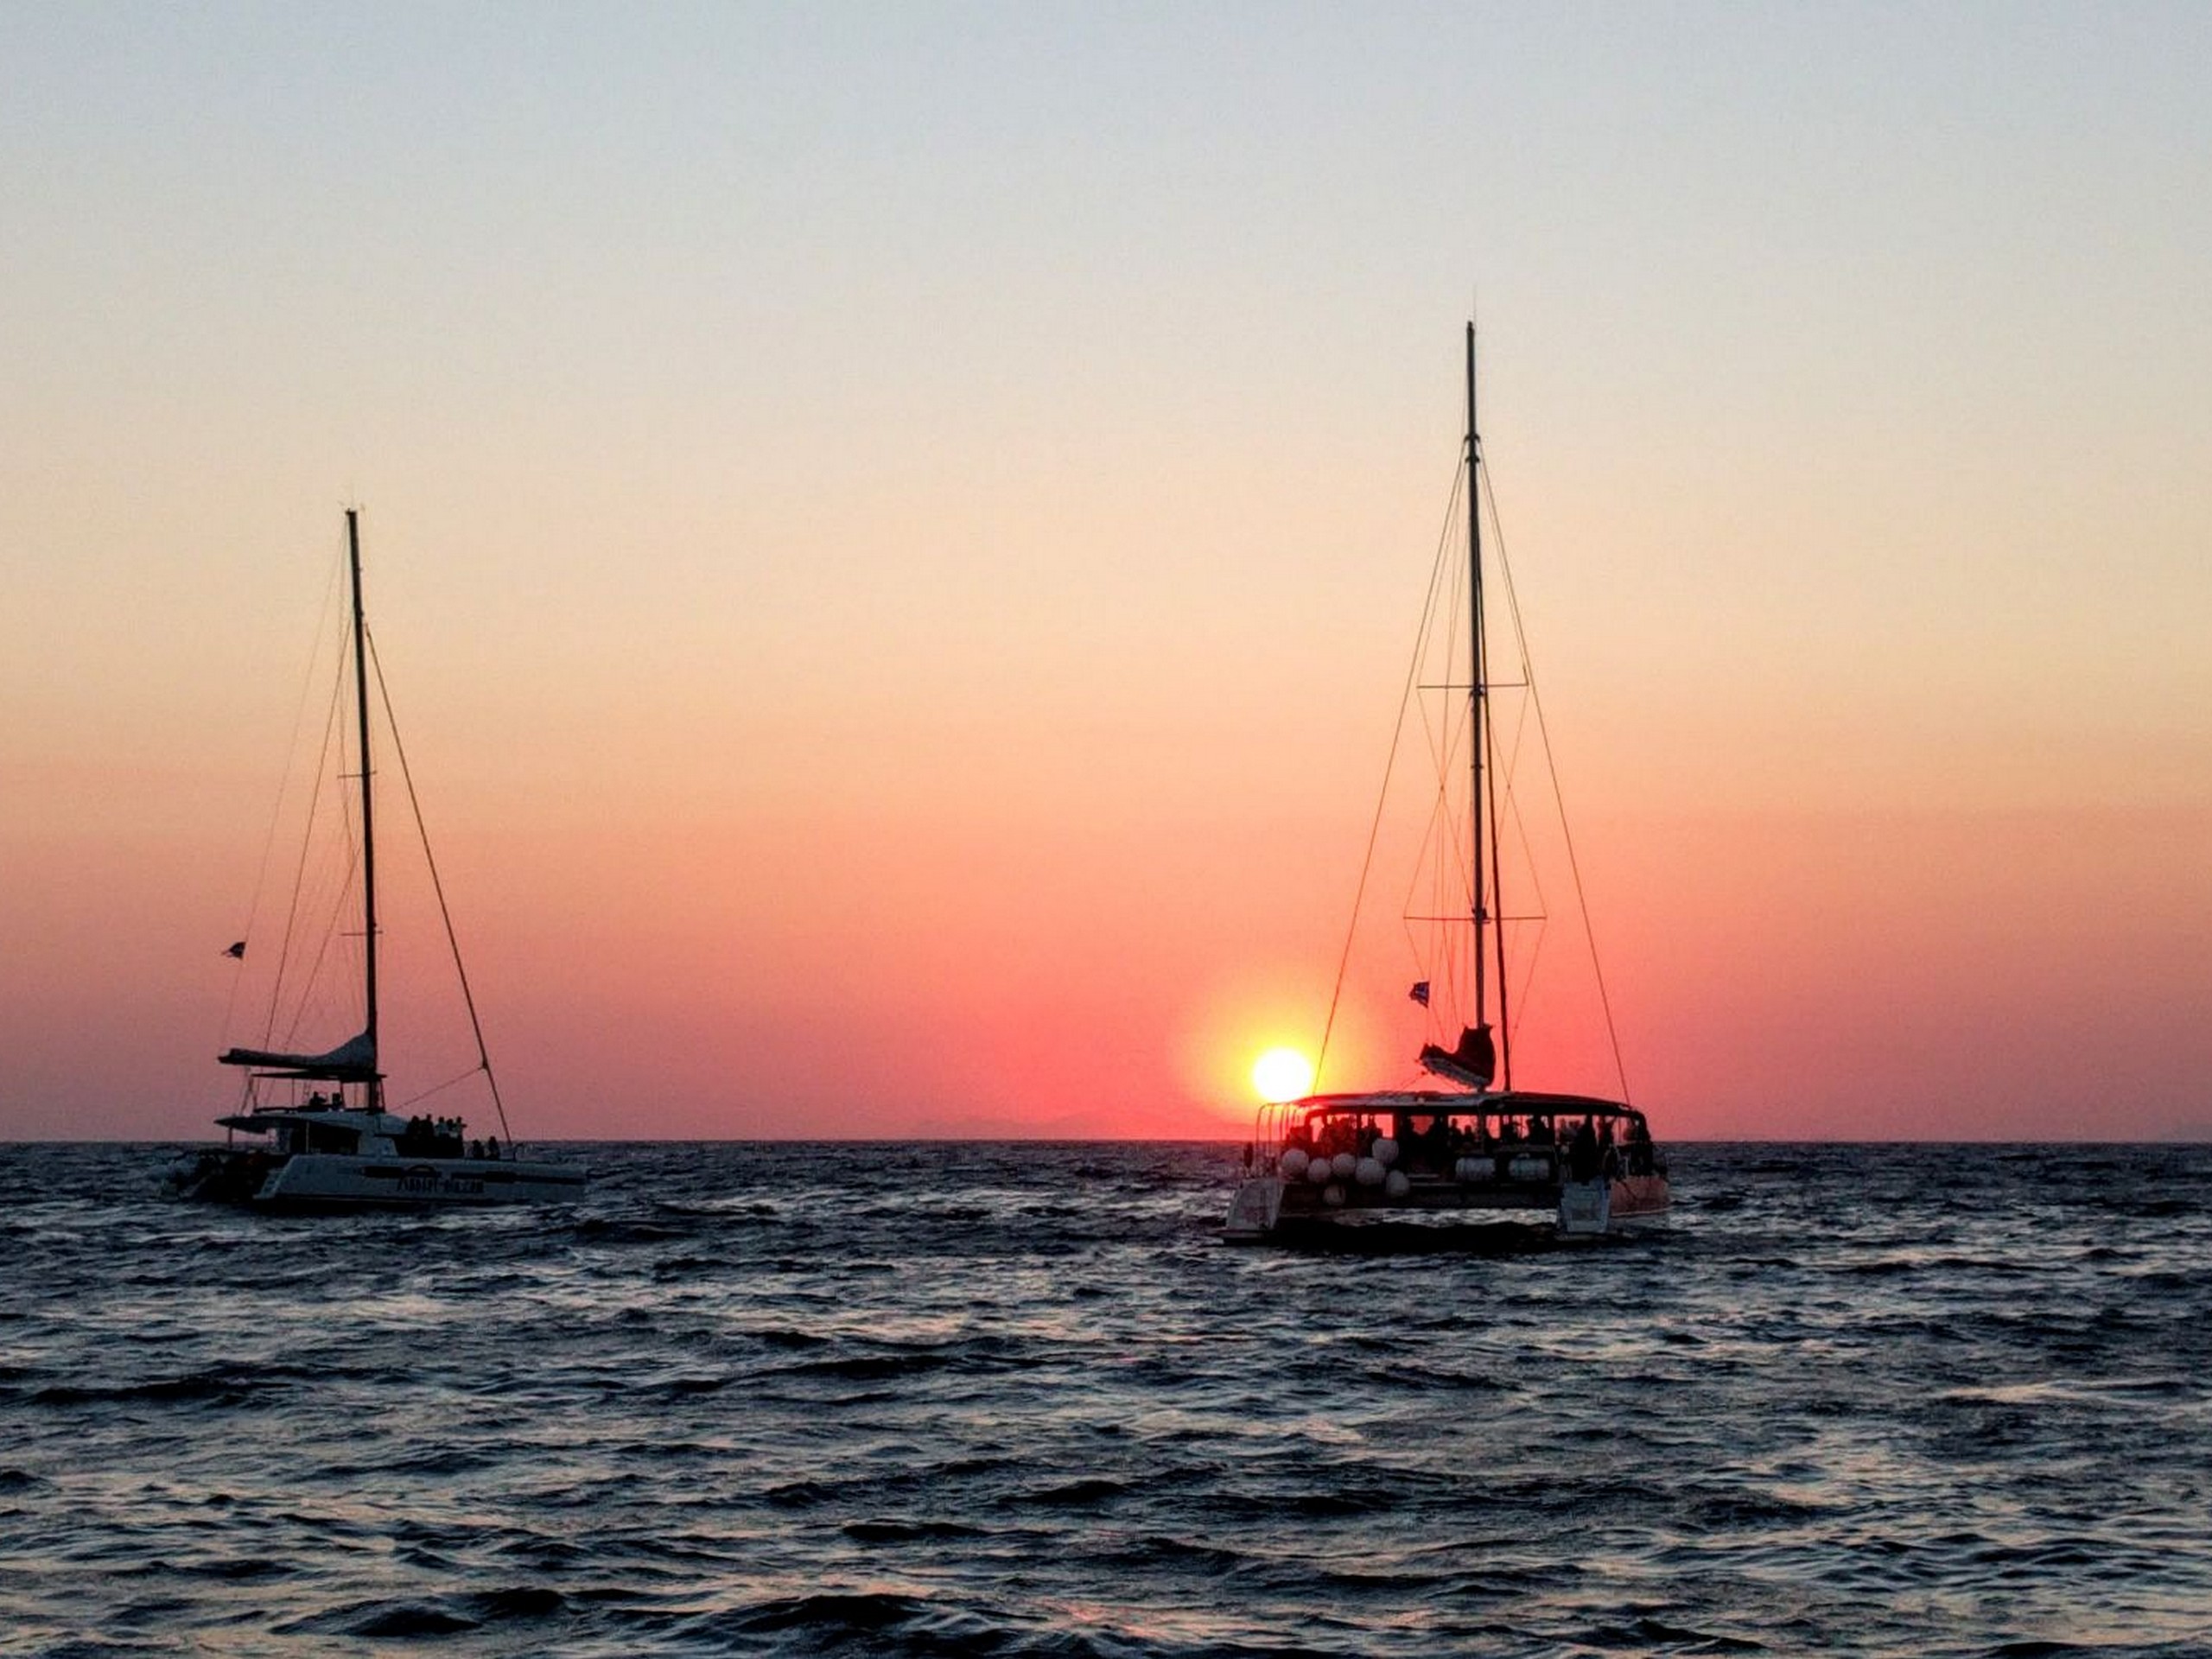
1252, 1213
1585, 1208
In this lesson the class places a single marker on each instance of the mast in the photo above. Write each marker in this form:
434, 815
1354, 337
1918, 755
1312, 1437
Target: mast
368, 795
1476, 690
1487, 873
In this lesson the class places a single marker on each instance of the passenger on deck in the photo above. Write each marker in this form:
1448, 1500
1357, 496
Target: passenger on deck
1639, 1146
1582, 1159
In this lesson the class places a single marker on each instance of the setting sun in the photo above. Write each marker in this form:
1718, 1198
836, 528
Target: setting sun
1282, 1074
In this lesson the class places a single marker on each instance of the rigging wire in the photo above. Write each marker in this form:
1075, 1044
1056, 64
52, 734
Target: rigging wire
329, 931
421, 831
277, 813
1531, 867
1451, 895
1443, 746
1435, 866
1551, 763
1375, 830
300, 875
457, 1078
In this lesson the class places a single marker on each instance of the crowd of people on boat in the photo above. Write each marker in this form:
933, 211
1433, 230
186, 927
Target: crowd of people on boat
1435, 1143
443, 1137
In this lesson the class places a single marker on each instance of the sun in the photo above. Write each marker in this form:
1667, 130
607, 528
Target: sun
1282, 1074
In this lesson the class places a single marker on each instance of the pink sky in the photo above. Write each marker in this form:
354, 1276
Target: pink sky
895, 556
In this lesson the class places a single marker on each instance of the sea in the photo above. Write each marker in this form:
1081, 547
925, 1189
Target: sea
1019, 1399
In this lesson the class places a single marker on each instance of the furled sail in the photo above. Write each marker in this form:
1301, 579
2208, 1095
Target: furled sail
353, 1061
1474, 1062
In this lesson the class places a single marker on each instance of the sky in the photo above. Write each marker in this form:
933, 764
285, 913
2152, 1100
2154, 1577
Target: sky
894, 533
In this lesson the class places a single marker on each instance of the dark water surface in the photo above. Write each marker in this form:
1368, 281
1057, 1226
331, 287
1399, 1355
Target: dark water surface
1017, 1400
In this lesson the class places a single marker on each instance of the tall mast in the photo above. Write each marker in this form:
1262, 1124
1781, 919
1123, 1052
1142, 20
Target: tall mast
1488, 876
368, 795
1477, 691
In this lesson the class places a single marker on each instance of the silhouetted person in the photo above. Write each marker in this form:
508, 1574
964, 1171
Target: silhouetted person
1582, 1153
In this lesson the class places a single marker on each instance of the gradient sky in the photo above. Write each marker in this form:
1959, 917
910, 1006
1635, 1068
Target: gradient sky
895, 531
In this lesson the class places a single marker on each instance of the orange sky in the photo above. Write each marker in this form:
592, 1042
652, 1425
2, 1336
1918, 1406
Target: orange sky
896, 558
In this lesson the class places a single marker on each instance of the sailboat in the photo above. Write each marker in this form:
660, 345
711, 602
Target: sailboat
1480, 1144
318, 1135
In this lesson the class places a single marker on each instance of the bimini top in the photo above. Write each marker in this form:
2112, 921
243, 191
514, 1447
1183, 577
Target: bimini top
353, 1061
361, 1120
1509, 1102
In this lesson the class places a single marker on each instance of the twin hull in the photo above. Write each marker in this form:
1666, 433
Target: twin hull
1258, 1211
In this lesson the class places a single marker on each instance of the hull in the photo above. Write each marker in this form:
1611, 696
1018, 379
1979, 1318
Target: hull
1640, 1198
1254, 1210
1589, 1208
323, 1182
1266, 1207
1585, 1209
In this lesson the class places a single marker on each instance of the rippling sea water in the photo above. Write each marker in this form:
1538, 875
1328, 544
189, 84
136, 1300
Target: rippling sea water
1016, 1399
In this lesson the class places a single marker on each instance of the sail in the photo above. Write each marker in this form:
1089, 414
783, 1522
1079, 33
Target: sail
353, 1061
1474, 1062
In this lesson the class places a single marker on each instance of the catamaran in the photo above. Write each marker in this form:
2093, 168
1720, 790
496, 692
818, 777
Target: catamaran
318, 1134
1327, 1161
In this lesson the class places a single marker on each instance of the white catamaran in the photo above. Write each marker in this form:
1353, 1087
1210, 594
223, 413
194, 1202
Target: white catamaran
318, 1136
1324, 1161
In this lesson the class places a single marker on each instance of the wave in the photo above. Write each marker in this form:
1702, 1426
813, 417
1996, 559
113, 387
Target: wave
1018, 1400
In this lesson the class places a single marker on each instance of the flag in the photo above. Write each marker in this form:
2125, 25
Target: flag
238, 950
1419, 992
